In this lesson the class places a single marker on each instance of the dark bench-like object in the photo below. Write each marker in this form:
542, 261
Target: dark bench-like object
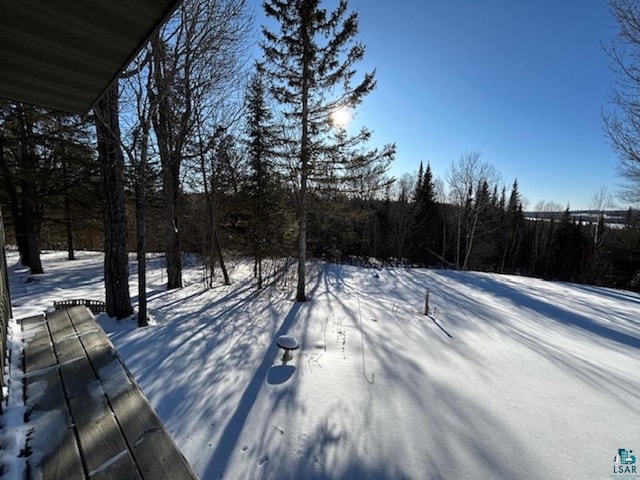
96, 306
86, 415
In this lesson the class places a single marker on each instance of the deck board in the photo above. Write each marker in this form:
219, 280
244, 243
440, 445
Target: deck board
151, 445
39, 353
101, 443
101, 440
106, 427
46, 406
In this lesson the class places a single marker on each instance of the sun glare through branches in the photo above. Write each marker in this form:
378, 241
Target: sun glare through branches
341, 117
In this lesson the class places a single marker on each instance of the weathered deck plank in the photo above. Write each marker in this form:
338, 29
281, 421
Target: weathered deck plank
39, 353
90, 420
101, 443
151, 445
52, 435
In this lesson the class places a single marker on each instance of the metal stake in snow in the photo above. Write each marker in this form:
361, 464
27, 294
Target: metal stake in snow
426, 303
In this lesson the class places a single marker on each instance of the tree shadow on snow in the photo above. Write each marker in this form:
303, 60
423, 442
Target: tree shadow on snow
565, 316
544, 327
347, 442
228, 440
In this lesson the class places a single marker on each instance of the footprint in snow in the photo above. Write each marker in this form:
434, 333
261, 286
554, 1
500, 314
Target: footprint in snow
263, 460
244, 449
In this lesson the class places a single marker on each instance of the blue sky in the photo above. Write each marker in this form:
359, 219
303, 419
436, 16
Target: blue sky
523, 83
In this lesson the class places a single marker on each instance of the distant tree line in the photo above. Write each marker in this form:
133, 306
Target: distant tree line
466, 221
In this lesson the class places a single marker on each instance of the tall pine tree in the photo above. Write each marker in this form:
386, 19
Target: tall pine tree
310, 65
514, 225
424, 212
262, 143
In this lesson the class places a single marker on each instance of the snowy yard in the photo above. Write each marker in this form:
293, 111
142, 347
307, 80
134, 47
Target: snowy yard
513, 378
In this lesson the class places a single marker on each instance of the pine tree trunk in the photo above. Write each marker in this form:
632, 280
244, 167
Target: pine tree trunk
67, 213
302, 218
111, 159
301, 295
24, 197
70, 247
33, 253
302, 258
30, 220
13, 198
258, 239
25, 222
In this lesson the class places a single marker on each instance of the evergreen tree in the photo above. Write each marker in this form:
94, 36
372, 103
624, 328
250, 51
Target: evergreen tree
424, 226
514, 224
418, 188
624, 253
566, 250
46, 161
262, 148
479, 226
384, 221
310, 64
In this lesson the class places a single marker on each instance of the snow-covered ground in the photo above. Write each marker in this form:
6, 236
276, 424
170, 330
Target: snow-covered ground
511, 378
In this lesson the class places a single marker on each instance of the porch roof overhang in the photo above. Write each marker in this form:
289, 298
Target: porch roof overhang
63, 54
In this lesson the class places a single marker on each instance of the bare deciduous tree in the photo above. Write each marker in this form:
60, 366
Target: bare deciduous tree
136, 145
197, 58
401, 213
111, 159
465, 178
622, 122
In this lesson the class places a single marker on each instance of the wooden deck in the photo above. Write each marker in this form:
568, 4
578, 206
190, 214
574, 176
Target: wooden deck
87, 417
